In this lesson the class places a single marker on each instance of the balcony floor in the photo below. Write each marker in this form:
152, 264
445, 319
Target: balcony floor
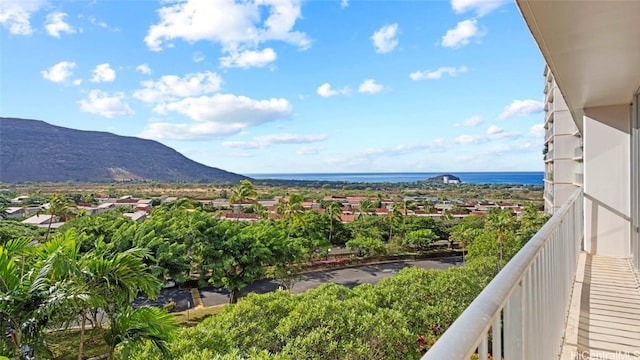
604, 315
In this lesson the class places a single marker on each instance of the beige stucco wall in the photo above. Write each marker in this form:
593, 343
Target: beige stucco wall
606, 134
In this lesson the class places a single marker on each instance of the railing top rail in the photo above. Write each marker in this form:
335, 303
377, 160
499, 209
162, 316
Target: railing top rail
465, 334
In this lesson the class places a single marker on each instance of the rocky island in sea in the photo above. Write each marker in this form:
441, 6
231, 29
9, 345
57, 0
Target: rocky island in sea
445, 179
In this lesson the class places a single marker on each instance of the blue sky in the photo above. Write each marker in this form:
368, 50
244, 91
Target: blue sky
273, 86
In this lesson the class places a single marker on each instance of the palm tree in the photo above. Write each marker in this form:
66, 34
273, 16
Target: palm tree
113, 279
102, 278
131, 326
244, 191
407, 205
291, 210
261, 210
58, 206
366, 207
30, 298
393, 216
500, 221
334, 210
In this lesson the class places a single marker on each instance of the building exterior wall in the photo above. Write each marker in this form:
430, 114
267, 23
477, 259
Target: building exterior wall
563, 148
607, 180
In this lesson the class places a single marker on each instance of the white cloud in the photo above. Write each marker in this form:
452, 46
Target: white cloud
77, 82
370, 86
481, 7
325, 90
437, 74
248, 59
286, 138
344, 3
462, 34
59, 72
534, 138
15, 15
436, 145
245, 145
216, 116
198, 57
310, 150
472, 121
537, 131
102, 24
493, 133
55, 24
192, 131
144, 68
103, 73
499, 150
465, 139
492, 130
521, 108
262, 142
236, 26
171, 87
385, 39
101, 103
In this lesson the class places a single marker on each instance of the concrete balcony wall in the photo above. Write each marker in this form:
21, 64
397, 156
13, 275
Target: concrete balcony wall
558, 100
564, 146
562, 193
564, 171
607, 180
563, 123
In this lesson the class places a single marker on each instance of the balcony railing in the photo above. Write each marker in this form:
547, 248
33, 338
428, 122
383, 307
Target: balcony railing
524, 309
549, 155
548, 133
577, 153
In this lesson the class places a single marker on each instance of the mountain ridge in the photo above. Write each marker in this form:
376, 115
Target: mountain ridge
36, 151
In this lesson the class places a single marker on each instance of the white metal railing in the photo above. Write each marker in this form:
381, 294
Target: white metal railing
548, 133
577, 152
635, 184
549, 155
524, 308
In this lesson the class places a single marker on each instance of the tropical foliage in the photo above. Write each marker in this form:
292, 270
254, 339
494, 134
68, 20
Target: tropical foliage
98, 264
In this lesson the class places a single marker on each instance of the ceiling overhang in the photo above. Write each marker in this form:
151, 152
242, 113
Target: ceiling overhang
591, 47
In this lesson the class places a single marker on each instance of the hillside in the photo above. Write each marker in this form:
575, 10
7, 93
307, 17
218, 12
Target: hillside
35, 151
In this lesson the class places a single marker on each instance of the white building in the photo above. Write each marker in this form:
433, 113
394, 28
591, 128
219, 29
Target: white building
562, 148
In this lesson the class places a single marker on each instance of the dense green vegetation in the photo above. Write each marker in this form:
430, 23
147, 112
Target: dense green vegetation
398, 318
53, 280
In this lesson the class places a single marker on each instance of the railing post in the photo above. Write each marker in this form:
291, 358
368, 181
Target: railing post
513, 324
483, 349
496, 331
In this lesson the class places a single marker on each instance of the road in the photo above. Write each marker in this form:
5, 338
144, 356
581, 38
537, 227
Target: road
349, 277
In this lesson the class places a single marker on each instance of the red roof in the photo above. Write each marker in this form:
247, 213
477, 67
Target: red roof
348, 218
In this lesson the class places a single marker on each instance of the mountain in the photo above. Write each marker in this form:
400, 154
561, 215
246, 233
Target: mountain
35, 151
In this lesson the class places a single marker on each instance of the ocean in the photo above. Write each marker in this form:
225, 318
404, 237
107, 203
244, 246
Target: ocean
519, 178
